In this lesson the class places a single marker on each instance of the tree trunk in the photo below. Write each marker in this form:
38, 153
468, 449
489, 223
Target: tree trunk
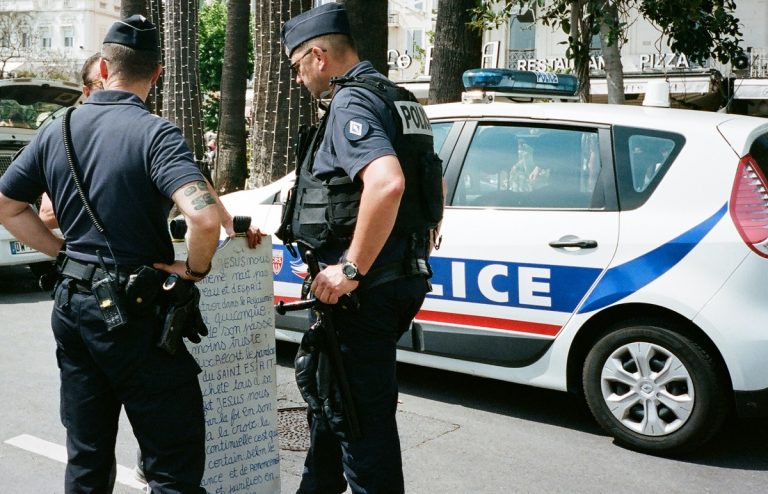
181, 88
368, 21
614, 69
457, 48
280, 105
581, 33
131, 7
230, 165
157, 16
152, 10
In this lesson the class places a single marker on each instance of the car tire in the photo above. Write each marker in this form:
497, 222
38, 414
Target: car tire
654, 389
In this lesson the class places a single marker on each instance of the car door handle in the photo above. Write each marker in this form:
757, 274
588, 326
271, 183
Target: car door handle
581, 244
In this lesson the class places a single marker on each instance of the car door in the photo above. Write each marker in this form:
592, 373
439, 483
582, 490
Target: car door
530, 225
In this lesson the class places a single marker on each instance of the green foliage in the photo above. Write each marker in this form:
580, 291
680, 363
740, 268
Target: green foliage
212, 32
698, 28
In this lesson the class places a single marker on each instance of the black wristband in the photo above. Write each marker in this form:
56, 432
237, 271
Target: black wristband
195, 274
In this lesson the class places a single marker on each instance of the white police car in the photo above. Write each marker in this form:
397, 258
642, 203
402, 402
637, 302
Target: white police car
26, 105
615, 251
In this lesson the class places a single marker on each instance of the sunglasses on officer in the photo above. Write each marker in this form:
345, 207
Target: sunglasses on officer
295, 65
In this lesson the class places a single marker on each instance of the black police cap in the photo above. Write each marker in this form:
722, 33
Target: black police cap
329, 18
134, 32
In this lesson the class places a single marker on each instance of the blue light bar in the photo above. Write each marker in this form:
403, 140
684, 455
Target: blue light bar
521, 81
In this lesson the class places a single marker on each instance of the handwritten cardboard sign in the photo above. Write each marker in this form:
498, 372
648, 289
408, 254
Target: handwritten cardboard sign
239, 381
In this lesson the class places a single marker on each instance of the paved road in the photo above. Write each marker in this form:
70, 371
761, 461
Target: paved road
459, 433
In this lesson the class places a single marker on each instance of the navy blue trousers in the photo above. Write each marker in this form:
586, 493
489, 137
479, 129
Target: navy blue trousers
368, 338
102, 371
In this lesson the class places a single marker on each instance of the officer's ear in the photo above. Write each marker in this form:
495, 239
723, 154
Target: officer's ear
156, 74
103, 72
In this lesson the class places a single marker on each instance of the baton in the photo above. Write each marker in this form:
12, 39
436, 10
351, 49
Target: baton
323, 312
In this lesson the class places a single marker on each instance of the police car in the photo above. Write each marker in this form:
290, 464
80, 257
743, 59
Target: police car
26, 105
619, 252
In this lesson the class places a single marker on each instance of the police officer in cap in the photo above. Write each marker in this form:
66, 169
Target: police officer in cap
131, 167
359, 205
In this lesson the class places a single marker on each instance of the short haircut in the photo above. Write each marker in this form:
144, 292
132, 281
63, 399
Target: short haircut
129, 64
87, 66
335, 43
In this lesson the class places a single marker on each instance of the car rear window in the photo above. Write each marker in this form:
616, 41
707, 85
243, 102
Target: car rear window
643, 156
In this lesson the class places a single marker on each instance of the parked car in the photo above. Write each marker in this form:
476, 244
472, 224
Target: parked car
617, 252
26, 105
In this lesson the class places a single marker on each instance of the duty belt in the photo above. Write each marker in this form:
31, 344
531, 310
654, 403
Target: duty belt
396, 270
86, 273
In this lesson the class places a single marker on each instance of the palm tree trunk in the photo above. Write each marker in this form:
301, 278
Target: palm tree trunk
181, 88
280, 106
131, 7
230, 166
151, 9
457, 48
368, 21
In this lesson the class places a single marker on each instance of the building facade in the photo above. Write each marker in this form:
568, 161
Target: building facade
52, 38
525, 44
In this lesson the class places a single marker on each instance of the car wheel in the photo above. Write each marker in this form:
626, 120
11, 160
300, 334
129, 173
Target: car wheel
655, 390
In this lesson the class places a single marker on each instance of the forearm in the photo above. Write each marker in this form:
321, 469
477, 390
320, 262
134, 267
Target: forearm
202, 239
28, 228
224, 217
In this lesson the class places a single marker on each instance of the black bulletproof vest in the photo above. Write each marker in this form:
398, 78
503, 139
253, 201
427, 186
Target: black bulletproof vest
323, 212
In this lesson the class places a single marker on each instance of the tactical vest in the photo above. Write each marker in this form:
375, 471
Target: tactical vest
323, 213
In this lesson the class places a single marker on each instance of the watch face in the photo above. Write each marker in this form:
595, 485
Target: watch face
349, 270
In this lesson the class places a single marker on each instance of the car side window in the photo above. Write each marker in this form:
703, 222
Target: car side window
530, 167
439, 134
643, 156
647, 154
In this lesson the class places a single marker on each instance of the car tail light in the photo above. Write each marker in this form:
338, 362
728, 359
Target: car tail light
749, 205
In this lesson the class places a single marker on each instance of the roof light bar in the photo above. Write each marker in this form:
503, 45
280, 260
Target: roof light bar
521, 82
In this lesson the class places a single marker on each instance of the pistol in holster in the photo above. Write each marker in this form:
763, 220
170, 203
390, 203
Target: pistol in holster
174, 301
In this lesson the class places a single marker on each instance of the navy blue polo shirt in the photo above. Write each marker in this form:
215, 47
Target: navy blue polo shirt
130, 161
360, 129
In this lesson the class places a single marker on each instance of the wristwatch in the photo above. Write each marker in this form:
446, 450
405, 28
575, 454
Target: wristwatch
350, 271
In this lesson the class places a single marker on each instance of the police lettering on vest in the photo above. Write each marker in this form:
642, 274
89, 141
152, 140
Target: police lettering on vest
323, 212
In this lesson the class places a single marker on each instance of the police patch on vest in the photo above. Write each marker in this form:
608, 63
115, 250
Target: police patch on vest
356, 129
414, 118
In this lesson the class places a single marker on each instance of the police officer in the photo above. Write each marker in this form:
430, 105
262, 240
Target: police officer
132, 166
91, 76
353, 207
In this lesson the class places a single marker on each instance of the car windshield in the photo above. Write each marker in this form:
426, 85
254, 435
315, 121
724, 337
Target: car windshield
14, 114
27, 103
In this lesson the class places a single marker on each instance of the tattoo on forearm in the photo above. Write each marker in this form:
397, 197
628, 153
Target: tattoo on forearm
203, 201
194, 188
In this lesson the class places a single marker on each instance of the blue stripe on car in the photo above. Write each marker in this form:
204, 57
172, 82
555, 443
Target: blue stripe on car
625, 279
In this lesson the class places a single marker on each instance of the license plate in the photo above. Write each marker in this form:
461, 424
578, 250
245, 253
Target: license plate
19, 248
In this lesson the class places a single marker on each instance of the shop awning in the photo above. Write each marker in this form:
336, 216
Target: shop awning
750, 89
697, 90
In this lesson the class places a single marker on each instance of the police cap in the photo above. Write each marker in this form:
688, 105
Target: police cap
329, 18
134, 32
